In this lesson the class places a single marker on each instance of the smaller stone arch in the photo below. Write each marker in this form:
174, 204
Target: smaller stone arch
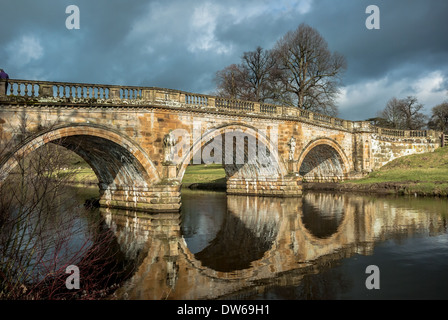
277, 163
262, 175
323, 159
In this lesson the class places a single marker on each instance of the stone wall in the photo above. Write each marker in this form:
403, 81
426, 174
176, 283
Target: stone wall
387, 148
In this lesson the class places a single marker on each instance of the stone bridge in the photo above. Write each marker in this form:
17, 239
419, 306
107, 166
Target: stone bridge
140, 140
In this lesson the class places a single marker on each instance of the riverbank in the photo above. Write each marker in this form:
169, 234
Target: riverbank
438, 189
423, 174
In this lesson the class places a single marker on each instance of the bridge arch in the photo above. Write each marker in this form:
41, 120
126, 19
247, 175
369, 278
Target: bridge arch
323, 159
116, 160
271, 165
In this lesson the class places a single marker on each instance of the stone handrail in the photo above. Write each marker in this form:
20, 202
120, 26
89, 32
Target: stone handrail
44, 89
49, 91
404, 133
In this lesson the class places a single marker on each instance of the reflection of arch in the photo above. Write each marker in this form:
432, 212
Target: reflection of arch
243, 238
258, 217
242, 129
323, 158
114, 158
322, 214
340, 236
292, 242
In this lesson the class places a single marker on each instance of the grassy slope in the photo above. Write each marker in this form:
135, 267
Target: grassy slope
425, 173
212, 173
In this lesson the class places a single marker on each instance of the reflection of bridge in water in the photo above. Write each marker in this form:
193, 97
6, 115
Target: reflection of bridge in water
261, 242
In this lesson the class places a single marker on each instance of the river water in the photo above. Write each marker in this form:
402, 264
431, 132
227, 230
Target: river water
315, 247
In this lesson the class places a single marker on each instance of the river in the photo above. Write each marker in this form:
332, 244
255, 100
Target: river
315, 247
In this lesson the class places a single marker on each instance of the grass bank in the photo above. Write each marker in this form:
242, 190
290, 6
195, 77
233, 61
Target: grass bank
205, 177
423, 174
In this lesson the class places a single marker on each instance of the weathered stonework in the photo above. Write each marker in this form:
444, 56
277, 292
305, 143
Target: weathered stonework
121, 132
272, 187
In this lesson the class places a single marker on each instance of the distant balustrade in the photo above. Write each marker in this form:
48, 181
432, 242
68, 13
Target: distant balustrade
322, 118
196, 100
268, 108
418, 133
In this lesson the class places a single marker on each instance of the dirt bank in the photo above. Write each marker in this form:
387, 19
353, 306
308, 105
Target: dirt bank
209, 186
400, 188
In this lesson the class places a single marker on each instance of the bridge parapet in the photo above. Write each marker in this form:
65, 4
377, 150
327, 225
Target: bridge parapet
82, 93
404, 133
122, 96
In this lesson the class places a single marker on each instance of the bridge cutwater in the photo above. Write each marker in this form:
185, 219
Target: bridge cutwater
127, 135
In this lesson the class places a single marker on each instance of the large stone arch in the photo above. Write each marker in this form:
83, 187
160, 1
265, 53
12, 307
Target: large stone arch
245, 130
323, 159
125, 172
92, 143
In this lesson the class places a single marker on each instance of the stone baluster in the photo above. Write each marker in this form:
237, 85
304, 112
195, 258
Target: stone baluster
26, 90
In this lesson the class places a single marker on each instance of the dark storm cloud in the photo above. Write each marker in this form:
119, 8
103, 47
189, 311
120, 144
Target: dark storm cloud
412, 33
181, 44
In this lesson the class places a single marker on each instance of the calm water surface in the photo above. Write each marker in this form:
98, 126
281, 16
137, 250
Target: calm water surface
315, 247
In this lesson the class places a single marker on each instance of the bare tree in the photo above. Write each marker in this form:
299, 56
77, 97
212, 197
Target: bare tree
411, 109
256, 78
404, 114
391, 116
262, 75
230, 82
439, 117
311, 73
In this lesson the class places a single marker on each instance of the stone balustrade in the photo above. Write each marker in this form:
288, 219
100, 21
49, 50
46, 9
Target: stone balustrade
45, 91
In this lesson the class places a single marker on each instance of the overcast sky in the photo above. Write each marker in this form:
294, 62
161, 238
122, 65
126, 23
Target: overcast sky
181, 44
